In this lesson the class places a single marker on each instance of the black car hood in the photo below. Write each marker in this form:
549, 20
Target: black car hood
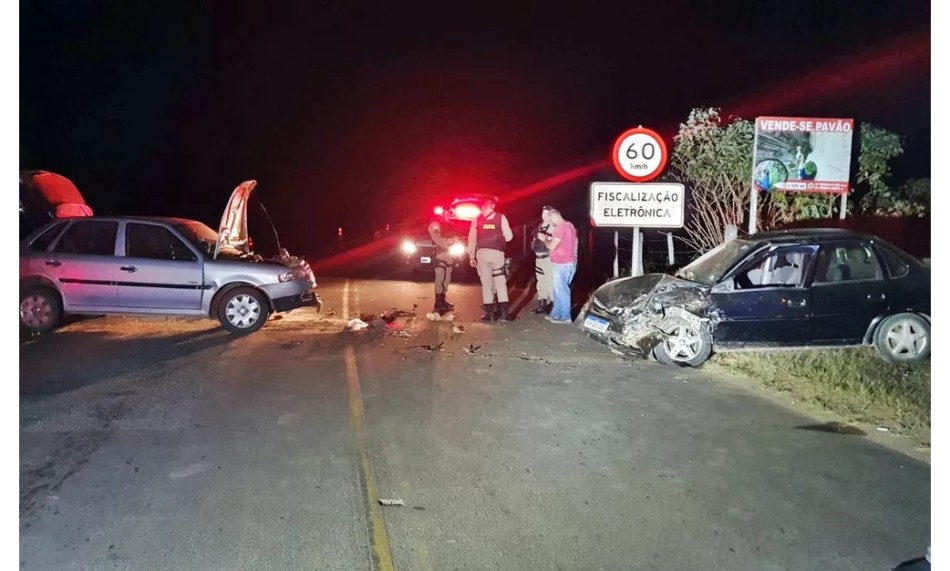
626, 295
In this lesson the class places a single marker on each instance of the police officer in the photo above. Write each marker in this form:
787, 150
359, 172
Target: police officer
444, 261
542, 263
486, 249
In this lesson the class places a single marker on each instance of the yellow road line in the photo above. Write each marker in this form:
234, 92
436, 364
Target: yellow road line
379, 539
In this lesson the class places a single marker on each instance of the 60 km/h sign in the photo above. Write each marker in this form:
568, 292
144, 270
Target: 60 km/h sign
640, 155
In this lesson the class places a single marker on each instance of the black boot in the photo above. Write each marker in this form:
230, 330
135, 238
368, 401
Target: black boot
489, 313
448, 306
439, 303
504, 316
542, 307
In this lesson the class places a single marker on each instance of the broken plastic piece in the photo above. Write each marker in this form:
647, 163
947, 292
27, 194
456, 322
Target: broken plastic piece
356, 324
391, 502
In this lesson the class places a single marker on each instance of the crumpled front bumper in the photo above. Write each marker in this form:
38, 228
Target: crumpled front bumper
614, 335
309, 298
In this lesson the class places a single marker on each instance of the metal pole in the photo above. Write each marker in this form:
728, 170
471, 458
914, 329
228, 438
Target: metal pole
616, 253
636, 255
844, 205
669, 248
754, 199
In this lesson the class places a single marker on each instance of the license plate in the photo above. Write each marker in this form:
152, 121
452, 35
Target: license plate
426, 260
596, 324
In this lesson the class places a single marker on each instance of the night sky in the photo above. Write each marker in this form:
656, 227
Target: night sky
352, 115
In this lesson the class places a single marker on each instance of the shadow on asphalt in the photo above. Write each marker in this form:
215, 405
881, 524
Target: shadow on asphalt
70, 360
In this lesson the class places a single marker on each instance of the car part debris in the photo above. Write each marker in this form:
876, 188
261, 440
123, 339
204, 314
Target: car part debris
471, 349
391, 502
429, 347
357, 324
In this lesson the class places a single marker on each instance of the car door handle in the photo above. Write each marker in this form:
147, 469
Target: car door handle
878, 297
54, 263
130, 269
794, 302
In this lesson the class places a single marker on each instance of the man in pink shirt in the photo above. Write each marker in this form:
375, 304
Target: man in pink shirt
563, 247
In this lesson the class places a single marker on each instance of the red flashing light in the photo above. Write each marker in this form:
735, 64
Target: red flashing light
438, 210
339, 231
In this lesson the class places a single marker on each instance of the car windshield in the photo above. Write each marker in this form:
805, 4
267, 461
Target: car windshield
709, 268
202, 237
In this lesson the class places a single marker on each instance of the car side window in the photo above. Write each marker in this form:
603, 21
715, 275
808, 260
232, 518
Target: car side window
896, 267
155, 243
847, 263
42, 242
782, 268
93, 237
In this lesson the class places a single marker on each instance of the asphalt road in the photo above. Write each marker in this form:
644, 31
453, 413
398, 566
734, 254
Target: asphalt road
165, 444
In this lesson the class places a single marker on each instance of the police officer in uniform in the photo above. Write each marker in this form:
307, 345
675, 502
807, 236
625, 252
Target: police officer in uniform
542, 263
443, 261
486, 249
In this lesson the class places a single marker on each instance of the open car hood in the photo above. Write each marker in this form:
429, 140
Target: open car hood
51, 194
232, 232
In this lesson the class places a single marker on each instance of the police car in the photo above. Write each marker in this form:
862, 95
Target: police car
419, 250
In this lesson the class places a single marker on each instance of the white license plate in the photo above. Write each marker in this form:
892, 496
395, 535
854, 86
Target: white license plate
426, 260
596, 324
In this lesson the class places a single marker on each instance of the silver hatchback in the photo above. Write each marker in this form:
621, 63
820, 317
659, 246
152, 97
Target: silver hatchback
158, 266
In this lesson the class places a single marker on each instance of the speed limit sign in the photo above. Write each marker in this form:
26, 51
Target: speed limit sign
639, 155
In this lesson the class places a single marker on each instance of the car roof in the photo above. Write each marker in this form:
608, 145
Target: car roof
160, 219
812, 235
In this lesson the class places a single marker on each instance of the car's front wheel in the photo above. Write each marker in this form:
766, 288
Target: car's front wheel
684, 345
243, 310
40, 309
903, 338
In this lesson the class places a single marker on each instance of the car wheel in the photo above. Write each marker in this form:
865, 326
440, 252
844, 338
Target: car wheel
40, 309
903, 338
684, 345
243, 310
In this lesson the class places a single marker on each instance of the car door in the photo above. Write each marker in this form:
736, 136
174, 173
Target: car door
848, 292
159, 270
764, 302
83, 262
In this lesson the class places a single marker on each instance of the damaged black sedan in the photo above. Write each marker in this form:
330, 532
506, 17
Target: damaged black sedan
806, 288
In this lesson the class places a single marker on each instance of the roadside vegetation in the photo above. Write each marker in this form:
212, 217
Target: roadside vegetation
853, 383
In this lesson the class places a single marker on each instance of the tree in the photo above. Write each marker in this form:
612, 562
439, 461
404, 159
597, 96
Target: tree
714, 161
910, 199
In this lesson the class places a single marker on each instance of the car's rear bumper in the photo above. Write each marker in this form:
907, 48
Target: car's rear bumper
309, 298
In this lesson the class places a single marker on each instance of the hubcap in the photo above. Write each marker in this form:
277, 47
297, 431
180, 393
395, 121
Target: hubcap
906, 339
683, 344
36, 311
243, 311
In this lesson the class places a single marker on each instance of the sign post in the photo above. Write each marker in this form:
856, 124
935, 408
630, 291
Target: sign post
639, 155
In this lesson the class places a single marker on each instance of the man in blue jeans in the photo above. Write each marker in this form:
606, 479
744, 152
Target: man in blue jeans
563, 246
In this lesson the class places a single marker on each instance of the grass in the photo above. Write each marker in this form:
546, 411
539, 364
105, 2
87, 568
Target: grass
853, 383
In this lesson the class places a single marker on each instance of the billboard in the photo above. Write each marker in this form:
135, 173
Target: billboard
801, 154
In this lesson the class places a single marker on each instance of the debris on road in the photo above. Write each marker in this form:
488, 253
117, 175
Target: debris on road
435, 316
472, 348
883, 429
458, 330
391, 502
402, 333
429, 347
356, 324
525, 357
291, 344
